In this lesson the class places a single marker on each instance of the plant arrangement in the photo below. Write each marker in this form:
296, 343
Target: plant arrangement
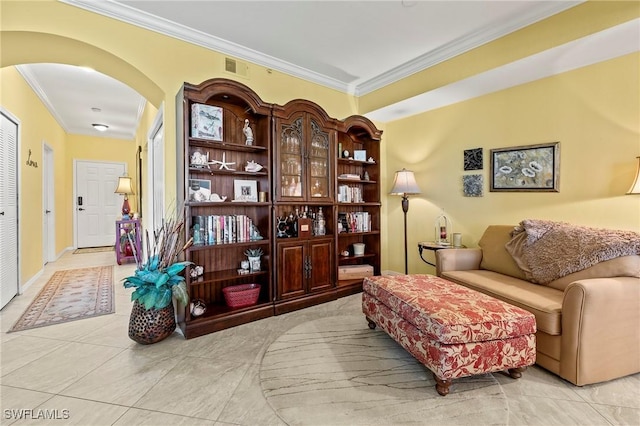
253, 252
158, 279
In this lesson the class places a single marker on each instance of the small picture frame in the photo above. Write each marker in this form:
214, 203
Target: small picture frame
245, 190
360, 155
530, 168
199, 190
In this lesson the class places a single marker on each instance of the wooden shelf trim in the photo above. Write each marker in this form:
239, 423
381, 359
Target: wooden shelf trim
222, 276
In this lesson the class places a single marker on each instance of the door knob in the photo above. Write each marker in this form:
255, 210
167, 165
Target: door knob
81, 209
1, 213
47, 211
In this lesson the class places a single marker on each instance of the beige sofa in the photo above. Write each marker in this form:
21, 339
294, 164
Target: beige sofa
588, 322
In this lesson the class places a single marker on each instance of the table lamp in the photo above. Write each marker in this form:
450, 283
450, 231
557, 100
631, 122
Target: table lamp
405, 184
635, 186
124, 188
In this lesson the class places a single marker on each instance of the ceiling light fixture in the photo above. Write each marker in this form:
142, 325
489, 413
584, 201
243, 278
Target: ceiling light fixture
100, 127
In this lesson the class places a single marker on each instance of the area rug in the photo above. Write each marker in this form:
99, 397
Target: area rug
70, 295
93, 250
335, 370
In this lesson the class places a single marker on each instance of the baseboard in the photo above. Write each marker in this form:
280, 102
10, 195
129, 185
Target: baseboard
33, 279
26, 285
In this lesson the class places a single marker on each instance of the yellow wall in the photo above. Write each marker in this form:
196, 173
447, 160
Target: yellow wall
36, 126
593, 112
576, 108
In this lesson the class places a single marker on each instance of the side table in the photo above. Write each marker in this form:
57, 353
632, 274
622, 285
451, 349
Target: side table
127, 240
434, 247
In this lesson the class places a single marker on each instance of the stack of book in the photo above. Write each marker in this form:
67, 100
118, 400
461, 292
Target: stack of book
223, 229
354, 221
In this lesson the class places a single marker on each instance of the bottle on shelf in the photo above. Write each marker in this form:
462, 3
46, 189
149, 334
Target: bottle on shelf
321, 224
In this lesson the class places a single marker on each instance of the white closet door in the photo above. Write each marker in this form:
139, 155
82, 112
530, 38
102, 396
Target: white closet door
8, 210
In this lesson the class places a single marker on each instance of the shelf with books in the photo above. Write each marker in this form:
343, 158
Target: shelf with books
223, 170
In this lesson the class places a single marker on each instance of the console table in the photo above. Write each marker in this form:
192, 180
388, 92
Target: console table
127, 240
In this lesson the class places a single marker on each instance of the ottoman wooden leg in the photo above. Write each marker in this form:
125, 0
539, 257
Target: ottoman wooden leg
516, 373
372, 325
442, 386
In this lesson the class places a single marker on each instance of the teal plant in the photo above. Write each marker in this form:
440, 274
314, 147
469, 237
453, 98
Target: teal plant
257, 252
158, 279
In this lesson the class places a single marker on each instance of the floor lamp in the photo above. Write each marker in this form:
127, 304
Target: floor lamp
405, 184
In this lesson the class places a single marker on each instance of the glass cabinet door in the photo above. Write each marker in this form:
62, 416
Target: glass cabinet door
319, 162
291, 140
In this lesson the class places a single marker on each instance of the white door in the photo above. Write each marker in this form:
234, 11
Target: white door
97, 206
155, 173
48, 203
8, 208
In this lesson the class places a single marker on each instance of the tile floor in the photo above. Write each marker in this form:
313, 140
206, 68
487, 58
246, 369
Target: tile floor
90, 372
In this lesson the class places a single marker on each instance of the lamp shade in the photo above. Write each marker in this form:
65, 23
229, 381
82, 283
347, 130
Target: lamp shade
635, 186
124, 186
405, 183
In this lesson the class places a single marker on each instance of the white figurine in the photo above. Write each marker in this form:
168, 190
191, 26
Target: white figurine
199, 159
252, 166
248, 132
217, 198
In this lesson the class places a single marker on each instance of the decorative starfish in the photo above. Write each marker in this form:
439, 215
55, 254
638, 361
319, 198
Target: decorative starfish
223, 164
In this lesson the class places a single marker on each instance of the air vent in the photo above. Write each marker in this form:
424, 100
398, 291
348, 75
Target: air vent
236, 67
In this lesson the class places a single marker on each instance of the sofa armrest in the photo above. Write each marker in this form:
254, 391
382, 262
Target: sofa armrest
600, 333
462, 259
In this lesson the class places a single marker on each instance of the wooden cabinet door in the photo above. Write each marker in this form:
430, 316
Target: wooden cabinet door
290, 161
304, 153
320, 261
291, 270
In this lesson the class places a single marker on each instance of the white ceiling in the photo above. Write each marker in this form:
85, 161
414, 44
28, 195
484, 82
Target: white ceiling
352, 46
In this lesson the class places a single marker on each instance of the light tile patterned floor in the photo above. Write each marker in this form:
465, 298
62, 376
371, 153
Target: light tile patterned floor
90, 372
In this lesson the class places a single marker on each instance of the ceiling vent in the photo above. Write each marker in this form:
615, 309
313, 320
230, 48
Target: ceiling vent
236, 67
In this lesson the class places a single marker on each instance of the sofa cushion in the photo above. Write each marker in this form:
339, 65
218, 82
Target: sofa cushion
543, 302
494, 255
625, 266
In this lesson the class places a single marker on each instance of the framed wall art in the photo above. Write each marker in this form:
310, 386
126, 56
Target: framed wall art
245, 190
530, 168
206, 122
473, 159
199, 190
472, 185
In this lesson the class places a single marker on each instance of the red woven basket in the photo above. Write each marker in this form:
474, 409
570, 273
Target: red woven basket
238, 296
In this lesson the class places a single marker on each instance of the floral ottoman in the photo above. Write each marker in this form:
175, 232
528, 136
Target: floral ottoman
454, 331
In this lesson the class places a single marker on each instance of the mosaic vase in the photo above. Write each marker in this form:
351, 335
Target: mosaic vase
148, 326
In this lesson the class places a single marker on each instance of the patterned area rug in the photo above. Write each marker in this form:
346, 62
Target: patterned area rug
93, 250
70, 295
336, 371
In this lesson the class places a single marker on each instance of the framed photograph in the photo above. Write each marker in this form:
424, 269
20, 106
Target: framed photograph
530, 168
206, 122
199, 190
245, 190
360, 155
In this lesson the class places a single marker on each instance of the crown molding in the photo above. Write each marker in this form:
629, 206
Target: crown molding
460, 46
32, 81
592, 49
163, 26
